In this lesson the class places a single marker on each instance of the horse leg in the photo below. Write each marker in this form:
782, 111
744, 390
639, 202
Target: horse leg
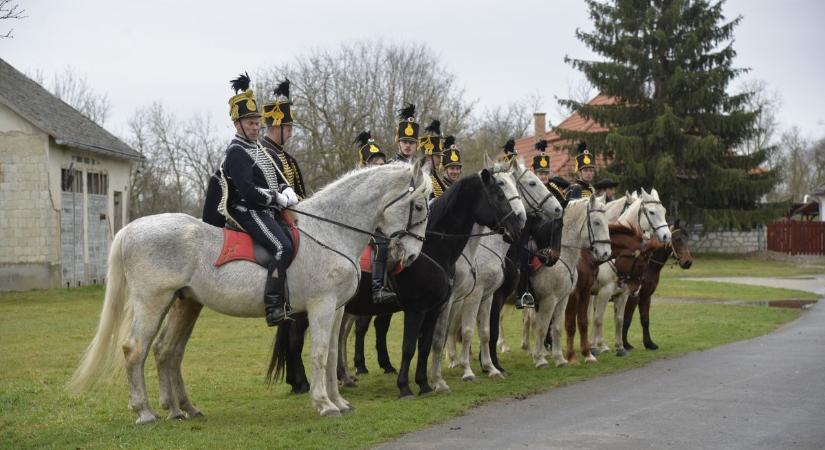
484, 339
169, 348
495, 333
296, 372
382, 328
342, 367
599, 306
321, 316
500, 342
148, 312
469, 315
556, 325
542, 323
629, 309
528, 321
456, 311
332, 365
644, 318
362, 325
618, 321
570, 325
439, 338
412, 328
583, 323
425, 342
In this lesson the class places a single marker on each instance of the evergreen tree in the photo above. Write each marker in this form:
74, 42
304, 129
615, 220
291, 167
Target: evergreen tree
674, 126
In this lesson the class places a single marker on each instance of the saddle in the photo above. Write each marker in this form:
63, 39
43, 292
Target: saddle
239, 246
366, 262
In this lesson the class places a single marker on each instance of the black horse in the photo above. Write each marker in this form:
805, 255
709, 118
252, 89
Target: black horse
424, 287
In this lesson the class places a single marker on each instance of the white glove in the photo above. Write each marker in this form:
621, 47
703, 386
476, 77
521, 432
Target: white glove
291, 195
281, 199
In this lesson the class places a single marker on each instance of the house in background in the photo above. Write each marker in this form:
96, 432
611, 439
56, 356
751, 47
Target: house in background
64, 187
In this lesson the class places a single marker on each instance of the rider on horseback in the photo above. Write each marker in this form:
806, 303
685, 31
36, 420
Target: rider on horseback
585, 170
451, 161
278, 121
407, 134
606, 187
524, 299
251, 191
430, 146
370, 154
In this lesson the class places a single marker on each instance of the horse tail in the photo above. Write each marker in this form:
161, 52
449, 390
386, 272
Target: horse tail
280, 352
100, 355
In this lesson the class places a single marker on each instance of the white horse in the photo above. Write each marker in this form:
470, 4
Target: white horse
485, 275
585, 227
165, 263
647, 215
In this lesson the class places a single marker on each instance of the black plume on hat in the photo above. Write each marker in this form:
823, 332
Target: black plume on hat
510, 146
449, 141
541, 145
363, 138
407, 111
582, 147
434, 127
241, 83
283, 88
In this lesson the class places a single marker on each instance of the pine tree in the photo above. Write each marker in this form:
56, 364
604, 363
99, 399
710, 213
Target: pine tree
674, 126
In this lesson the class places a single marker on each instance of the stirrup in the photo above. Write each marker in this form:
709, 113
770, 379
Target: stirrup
525, 301
275, 317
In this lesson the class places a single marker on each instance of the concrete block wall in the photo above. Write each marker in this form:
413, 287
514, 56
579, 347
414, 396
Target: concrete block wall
729, 241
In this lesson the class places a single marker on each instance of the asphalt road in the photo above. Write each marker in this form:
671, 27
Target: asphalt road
764, 393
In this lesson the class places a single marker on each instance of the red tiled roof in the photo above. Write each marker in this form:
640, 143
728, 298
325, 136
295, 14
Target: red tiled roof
560, 160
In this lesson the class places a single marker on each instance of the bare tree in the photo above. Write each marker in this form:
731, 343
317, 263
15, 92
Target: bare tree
10, 10
766, 103
339, 92
581, 91
493, 126
75, 90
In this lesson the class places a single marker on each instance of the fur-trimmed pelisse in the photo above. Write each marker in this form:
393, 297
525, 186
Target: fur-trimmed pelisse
242, 104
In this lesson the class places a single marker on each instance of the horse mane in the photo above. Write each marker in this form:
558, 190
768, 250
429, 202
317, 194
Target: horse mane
444, 205
622, 230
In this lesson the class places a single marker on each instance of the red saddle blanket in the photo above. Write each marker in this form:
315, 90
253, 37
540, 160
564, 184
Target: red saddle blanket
366, 262
535, 264
238, 245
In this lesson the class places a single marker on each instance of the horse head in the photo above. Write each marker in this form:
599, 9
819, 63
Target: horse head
537, 199
597, 231
406, 211
679, 245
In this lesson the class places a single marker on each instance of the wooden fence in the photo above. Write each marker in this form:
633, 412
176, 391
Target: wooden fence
796, 237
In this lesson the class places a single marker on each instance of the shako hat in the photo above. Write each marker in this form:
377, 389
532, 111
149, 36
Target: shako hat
509, 148
584, 158
279, 111
451, 155
243, 103
407, 125
430, 143
367, 148
541, 162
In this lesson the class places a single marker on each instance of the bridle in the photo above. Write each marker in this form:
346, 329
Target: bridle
536, 205
410, 224
590, 234
647, 215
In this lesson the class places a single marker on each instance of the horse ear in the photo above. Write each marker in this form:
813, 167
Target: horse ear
486, 176
644, 192
654, 193
487, 161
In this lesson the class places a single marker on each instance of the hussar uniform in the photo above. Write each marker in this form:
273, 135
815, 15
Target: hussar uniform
278, 112
509, 149
580, 188
430, 146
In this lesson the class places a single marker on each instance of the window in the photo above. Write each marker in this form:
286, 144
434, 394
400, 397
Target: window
71, 180
97, 183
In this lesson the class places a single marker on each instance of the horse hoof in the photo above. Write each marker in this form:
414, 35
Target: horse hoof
594, 351
470, 378
442, 388
350, 384
146, 418
426, 392
504, 349
331, 412
195, 413
409, 396
452, 365
390, 371
497, 374
543, 365
176, 416
591, 360
628, 346
651, 346
561, 365
361, 371
621, 352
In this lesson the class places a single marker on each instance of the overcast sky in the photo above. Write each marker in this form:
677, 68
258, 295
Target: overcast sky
184, 52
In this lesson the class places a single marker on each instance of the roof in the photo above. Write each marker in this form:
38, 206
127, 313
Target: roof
59, 120
561, 162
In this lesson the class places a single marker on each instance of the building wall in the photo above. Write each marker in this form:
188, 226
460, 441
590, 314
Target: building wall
32, 245
29, 217
729, 241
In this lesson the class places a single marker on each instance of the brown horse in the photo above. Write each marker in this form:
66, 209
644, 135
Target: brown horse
679, 250
628, 261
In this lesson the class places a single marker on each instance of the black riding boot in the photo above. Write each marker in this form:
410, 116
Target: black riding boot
275, 304
380, 293
524, 299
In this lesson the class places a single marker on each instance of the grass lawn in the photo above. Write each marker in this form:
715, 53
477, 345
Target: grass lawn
725, 265
715, 290
43, 333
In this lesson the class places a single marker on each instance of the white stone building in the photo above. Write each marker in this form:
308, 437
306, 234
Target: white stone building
64, 188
